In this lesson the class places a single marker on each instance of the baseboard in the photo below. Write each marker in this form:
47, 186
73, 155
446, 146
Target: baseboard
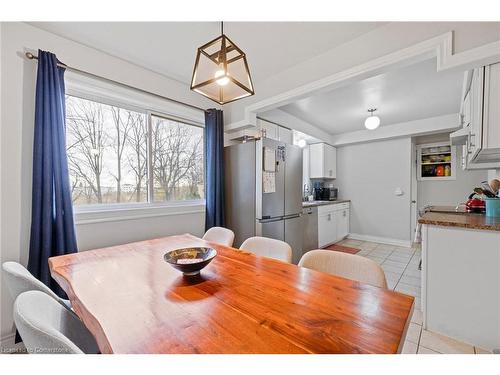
384, 240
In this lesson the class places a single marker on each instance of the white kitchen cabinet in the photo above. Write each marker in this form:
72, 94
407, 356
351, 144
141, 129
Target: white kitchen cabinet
322, 161
333, 223
285, 135
342, 222
274, 131
481, 117
327, 229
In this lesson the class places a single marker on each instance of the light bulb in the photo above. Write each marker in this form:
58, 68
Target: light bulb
372, 122
301, 143
222, 81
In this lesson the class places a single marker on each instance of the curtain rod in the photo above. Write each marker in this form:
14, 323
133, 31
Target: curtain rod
31, 56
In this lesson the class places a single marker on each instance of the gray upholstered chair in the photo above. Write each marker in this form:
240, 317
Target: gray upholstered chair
46, 327
219, 235
268, 247
345, 265
20, 280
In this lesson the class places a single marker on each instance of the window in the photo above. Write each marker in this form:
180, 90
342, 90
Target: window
112, 159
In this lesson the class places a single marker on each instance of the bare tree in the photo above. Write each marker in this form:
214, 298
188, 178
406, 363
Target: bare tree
123, 120
86, 142
137, 159
176, 151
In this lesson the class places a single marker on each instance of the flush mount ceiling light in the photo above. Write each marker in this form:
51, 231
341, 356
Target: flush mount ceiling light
302, 143
372, 122
221, 71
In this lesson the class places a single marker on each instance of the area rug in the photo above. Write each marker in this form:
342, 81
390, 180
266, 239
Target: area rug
343, 249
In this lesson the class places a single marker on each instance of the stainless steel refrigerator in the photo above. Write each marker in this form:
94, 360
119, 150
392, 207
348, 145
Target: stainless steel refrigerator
261, 200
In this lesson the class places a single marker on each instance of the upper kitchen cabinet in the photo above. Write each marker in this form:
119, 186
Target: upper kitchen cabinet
322, 161
274, 131
480, 114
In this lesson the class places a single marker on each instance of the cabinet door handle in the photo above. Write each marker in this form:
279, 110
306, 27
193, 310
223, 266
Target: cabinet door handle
329, 217
345, 213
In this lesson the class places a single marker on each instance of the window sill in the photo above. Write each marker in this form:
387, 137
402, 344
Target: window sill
121, 212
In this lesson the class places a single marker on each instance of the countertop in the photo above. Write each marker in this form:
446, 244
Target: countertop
461, 220
323, 203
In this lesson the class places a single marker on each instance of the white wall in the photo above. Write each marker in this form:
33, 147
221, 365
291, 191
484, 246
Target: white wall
17, 101
368, 175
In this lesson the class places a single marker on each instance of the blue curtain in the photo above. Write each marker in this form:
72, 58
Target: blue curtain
214, 169
52, 227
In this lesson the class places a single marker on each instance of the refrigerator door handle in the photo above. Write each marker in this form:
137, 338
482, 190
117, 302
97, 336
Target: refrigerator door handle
293, 216
270, 220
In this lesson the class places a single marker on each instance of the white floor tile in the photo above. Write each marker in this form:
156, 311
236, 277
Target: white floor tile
417, 316
392, 275
409, 348
424, 350
381, 253
443, 344
412, 290
398, 258
410, 280
412, 271
377, 259
389, 268
391, 284
417, 304
481, 350
368, 246
364, 252
394, 264
413, 333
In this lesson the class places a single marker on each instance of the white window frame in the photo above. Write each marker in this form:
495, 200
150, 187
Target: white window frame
115, 95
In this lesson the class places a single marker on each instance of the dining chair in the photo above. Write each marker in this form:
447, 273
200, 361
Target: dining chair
219, 235
345, 265
20, 280
46, 327
268, 247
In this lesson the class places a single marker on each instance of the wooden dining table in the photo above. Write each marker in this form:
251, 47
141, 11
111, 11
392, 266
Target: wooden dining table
134, 302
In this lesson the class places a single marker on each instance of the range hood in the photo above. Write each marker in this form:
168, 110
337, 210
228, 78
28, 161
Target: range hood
459, 137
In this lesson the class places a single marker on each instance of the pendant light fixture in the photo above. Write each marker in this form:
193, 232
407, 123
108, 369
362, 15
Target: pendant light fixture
221, 71
372, 122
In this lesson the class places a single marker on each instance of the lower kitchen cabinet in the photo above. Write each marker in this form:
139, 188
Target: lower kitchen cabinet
333, 223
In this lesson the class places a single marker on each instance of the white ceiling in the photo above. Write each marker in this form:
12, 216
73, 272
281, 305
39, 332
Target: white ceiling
169, 48
405, 94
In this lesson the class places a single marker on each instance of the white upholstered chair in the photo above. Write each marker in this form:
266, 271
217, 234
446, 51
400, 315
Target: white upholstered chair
46, 327
268, 247
345, 265
219, 235
20, 280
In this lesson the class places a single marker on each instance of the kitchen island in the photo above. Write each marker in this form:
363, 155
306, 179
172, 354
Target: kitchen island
461, 276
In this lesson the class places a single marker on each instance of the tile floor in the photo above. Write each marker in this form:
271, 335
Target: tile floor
400, 265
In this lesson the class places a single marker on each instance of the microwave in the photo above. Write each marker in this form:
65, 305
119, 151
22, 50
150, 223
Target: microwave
326, 194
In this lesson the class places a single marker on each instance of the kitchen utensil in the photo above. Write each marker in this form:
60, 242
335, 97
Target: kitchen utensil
486, 186
190, 260
495, 185
485, 192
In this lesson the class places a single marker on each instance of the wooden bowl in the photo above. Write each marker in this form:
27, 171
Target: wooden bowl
190, 260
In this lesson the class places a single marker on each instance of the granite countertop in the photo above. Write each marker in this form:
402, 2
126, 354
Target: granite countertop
323, 203
461, 220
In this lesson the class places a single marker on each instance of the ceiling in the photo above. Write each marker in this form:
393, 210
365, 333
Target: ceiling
169, 48
410, 93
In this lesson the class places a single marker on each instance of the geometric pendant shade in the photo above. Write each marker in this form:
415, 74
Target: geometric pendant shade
221, 71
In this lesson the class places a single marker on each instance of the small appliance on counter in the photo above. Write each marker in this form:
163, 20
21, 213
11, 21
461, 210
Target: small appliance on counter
475, 205
324, 193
